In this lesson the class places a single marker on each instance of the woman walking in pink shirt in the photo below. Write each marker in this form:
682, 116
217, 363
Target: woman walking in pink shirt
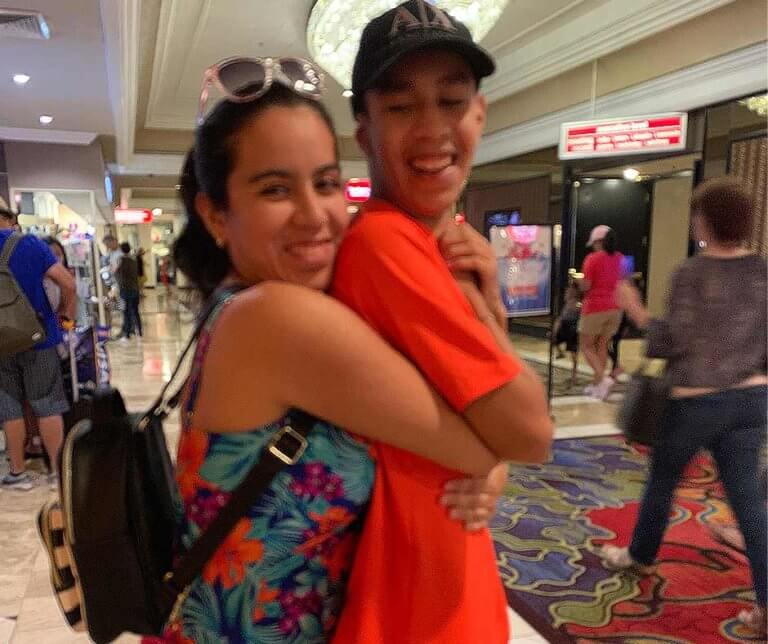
600, 312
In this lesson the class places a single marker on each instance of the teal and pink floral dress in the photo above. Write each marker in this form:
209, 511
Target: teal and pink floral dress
281, 574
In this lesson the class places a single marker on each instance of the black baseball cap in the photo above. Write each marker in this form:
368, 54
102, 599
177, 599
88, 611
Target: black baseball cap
409, 27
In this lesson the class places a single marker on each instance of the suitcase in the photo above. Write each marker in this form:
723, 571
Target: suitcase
81, 400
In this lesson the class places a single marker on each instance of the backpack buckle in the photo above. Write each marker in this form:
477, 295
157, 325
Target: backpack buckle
288, 451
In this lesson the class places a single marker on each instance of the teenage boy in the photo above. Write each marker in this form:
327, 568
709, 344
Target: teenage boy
418, 577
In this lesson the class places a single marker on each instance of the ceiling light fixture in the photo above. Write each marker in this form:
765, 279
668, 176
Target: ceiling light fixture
21, 79
347, 93
157, 212
46, 120
757, 104
335, 26
630, 174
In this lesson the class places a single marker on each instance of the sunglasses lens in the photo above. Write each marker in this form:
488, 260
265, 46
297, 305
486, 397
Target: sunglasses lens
304, 78
242, 77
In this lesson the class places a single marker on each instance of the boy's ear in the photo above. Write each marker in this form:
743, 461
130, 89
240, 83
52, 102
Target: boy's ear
481, 107
362, 134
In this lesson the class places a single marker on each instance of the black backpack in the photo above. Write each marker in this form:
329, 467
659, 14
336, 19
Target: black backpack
111, 540
20, 326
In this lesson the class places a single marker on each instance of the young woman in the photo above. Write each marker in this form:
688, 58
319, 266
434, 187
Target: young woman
265, 209
714, 338
600, 313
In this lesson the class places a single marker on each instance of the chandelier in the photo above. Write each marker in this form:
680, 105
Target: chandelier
757, 104
335, 27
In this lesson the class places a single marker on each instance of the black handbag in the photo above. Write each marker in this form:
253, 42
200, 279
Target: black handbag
646, 398
112, 539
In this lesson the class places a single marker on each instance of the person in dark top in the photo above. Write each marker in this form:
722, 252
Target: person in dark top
140, 268
127, 275
714, 340
566, 328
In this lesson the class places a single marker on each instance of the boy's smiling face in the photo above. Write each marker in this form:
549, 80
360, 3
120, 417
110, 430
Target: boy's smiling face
420, 130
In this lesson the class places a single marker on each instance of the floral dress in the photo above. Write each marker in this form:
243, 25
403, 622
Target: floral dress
280, 576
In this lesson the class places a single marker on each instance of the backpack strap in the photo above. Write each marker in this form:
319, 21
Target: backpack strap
163, 405
8, 247
285, 448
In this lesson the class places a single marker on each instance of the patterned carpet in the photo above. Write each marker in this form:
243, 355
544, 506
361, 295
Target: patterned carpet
549, 528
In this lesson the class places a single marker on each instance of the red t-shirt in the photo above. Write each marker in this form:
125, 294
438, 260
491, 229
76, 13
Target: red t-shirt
604, 272
419, 577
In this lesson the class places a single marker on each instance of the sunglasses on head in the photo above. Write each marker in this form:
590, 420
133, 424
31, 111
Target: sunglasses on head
246, 79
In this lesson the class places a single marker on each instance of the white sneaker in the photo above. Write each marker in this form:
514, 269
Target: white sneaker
22, 481
603, 390
616, 558
53, 482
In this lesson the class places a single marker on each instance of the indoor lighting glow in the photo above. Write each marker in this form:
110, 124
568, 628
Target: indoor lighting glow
157, 212
630, 174
347, 93
757, 104
20, 79
46, 120
335, 26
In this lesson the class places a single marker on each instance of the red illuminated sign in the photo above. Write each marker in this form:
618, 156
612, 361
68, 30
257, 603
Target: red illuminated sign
132, 216
358, 190
625, 136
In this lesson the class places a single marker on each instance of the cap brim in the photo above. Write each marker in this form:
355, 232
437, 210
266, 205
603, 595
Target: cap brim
478, 59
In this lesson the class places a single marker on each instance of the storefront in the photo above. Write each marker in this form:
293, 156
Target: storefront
641, 192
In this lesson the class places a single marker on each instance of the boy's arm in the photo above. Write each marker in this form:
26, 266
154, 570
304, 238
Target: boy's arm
520, 404
386, 273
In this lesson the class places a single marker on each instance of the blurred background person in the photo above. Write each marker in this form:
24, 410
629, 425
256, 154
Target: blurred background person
34, 375
127, 276
141, 268
566, 331
600, 313
714, 340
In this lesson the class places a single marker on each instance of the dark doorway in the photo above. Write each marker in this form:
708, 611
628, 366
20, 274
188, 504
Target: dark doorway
623, 205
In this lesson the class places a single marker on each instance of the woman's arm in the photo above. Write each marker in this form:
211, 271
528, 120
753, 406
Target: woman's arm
659, 340
278, 346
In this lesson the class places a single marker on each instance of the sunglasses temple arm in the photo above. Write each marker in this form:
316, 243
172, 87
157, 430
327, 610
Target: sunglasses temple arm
203, 97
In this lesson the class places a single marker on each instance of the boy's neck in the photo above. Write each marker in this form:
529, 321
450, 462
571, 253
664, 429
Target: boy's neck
435, 224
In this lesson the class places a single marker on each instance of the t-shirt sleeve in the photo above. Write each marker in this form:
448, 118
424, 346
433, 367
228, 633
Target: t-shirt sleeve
38, 254
384, 272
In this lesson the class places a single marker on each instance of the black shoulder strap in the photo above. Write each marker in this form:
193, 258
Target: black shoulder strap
8, 247
284, 448
163, 405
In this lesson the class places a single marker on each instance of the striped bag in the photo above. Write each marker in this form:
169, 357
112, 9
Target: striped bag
66, 585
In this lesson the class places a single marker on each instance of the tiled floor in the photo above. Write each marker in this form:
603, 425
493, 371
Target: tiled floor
28, 612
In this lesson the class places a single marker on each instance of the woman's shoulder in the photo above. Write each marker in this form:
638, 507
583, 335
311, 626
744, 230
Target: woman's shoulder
270, 302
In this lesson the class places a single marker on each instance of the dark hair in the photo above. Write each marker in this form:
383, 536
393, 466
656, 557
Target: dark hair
727, 207
52, 241
207, 168
8, 214
609, 242
109, 238
125, 247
